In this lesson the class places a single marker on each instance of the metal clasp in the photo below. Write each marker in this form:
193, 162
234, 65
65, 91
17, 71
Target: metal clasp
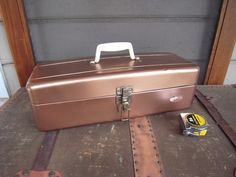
123, 100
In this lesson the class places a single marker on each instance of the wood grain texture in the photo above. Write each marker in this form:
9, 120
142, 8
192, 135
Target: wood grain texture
216, 40
183, 156
45, 151
217, 117
0, 14
94, 151
16, 27
223, 44
146, 156
105, 149
19, 137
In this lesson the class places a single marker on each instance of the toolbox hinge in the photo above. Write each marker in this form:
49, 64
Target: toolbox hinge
123, 100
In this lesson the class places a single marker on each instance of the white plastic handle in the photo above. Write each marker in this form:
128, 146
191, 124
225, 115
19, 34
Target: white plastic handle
113, 47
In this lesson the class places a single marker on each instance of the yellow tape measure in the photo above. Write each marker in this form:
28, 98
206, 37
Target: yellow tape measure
193, 124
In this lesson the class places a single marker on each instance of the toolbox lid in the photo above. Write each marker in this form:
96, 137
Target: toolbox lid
78, 79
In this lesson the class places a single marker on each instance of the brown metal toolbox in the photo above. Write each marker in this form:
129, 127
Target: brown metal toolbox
82, 91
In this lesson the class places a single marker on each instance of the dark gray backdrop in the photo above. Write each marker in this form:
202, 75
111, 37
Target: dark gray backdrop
62, 29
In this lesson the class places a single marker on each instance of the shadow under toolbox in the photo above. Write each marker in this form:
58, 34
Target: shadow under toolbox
79, 92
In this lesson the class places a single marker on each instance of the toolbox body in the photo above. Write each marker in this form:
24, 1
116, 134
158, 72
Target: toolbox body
78, 92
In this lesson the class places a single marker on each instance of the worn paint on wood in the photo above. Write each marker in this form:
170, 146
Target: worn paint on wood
96, 150
223, 98
217, 117
19, 138
45, 151
105, 149
212, 155
146, 157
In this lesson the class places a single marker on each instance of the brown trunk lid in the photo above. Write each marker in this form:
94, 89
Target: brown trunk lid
80, 80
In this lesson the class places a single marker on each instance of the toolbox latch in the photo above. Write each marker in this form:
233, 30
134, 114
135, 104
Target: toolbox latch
123, 100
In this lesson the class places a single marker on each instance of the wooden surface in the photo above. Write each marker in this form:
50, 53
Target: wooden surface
209, 156
216, 40
223, 44
217, 117
0, 14
146, 156
97, 150
19, 138
105, 149
224, 99
18, 36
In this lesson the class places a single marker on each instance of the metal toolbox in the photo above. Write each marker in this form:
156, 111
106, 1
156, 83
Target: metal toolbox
83, 91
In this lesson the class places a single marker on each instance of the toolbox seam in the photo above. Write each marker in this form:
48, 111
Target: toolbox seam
110, 96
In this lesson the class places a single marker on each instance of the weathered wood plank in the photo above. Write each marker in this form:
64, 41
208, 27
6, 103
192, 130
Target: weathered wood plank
18, 36
184, 156
223, 45
217, 117
45, 151
105, 149
19, 138
96, 150
223, 98
0, 14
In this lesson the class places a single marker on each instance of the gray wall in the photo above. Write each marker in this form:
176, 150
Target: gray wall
230, 77
7, 66
73, 28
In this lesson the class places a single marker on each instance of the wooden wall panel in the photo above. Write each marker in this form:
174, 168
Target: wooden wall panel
223, 45
18, 36
0, 14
